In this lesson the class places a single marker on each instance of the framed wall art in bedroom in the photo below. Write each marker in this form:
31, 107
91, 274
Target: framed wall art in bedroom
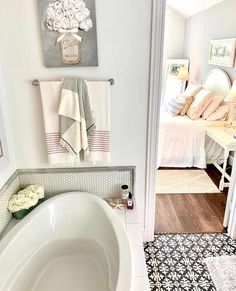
69, 32
222, 52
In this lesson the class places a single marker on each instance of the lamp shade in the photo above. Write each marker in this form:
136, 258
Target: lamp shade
183, 74
231, 97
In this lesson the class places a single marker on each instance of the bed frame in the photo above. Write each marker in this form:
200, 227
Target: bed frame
218, 81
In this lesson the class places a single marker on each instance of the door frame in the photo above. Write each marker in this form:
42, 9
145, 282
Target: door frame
155, 82
230, 214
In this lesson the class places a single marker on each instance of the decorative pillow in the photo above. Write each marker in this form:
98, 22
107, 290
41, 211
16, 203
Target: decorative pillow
214, 104
187, 104
192, 90
174, 105
200, 103
220, 113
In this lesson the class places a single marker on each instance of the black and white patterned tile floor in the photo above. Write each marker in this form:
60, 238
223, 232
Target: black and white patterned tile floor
175, 261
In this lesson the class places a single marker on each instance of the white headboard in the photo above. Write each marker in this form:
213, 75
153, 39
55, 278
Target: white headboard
218, 81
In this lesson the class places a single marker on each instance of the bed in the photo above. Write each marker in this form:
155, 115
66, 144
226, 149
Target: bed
183, 141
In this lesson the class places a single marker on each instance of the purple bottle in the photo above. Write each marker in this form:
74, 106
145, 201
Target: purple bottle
130, 203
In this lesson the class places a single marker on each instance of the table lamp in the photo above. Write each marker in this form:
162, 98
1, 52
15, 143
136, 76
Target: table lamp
183, 77
231, 100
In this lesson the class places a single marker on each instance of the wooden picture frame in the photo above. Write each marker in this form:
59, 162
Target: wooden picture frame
171, 85
222, 52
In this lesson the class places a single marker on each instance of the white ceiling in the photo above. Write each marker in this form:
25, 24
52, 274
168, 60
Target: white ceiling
190, 7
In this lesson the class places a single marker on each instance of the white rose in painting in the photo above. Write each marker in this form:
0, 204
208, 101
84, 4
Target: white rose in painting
69, 14
65, 23
57, 25
89, 23
74, 23
85, 12
74, 2
49, 23
57, 5
83, 25
51, 11
76, 8
86, 25
67, 4
79, 17
59, 14
81, 4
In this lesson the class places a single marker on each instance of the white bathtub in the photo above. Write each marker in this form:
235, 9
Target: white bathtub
72, 242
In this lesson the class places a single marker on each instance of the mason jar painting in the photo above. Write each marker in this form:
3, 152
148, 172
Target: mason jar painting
69, 32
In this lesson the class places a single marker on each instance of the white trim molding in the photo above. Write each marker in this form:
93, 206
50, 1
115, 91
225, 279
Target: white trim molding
156, 65
230, 212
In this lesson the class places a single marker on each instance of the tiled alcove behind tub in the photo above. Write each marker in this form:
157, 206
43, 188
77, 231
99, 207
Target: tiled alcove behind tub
104, 182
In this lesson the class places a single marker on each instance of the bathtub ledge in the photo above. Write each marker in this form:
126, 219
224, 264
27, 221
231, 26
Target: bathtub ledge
130, 221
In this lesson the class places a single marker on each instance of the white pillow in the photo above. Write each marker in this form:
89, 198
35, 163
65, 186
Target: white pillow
191, 90
214, 104
174, 105
187, 104
220, 113
200, 103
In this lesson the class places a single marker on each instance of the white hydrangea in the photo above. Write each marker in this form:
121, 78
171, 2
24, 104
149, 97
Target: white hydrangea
39, 190
26, 198
19, 202
68, 15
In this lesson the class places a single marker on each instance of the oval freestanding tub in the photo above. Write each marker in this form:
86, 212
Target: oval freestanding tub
71, 242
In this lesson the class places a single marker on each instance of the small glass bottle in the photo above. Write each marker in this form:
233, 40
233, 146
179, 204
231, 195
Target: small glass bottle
130, 202
124, 193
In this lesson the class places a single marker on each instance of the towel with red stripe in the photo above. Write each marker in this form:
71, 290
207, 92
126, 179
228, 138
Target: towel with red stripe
98, 140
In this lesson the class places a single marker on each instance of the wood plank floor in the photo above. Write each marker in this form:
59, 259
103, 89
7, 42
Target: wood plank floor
191, 213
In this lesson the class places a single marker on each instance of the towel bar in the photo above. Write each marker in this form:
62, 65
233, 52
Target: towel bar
35, 82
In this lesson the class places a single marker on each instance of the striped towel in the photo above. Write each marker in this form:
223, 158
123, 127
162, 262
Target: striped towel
76, 119
99, 140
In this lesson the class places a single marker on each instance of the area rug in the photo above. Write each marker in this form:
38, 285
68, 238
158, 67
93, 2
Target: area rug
175, 262
184, 182
223, 272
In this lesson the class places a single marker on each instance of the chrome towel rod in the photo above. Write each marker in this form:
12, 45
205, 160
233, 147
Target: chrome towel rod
35, 82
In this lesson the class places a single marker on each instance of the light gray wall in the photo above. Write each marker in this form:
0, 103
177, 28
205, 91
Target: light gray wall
218, 21
10, 165
123, 29
174, 26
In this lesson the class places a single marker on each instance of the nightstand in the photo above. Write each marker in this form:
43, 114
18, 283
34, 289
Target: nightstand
225, 139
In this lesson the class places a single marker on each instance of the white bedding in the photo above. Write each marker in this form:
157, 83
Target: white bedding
183, 142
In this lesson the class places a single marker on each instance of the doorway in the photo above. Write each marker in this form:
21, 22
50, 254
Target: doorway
211, 172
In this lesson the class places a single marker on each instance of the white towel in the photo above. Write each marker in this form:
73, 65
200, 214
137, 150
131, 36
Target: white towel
99, 140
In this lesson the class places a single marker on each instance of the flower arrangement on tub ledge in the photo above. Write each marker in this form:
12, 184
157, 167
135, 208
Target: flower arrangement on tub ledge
25, 201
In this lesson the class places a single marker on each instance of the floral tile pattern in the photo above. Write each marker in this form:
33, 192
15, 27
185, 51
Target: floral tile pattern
174, 261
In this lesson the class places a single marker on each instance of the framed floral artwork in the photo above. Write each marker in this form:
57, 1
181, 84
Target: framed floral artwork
222, 52
69, 32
